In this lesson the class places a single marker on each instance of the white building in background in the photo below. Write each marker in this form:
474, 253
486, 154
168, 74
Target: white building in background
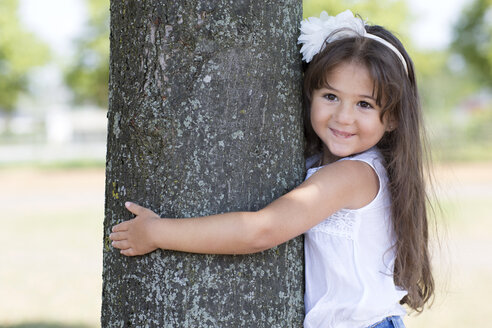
89, 124
58, 125
64, 123
78, 125
46, 128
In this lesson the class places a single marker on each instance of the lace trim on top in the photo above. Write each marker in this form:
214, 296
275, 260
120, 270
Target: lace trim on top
342, 223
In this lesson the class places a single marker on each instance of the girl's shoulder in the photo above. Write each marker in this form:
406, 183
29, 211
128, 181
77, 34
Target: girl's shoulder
361, 176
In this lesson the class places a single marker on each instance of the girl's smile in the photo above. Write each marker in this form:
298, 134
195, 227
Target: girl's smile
341, 134
345, 114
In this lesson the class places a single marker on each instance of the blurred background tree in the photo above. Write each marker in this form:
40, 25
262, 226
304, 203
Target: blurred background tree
473, 39
468, 133
87, 75
20, 51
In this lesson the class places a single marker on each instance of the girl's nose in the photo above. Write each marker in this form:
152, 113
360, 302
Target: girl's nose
344, 114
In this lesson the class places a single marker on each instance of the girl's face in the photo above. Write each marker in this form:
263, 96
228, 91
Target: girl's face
345, 115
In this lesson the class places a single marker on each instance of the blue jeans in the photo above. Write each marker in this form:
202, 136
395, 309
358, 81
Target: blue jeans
389, 322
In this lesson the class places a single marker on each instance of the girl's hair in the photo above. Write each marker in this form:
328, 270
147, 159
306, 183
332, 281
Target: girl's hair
402, 148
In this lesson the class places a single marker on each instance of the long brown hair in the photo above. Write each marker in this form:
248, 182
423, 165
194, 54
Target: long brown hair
402, 149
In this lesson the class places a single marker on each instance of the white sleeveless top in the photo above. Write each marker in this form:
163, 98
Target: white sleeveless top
349, 262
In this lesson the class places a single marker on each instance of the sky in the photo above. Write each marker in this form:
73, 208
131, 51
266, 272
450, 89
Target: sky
435, 19
57, 21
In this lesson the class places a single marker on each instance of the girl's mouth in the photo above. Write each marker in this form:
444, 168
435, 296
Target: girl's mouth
341, 134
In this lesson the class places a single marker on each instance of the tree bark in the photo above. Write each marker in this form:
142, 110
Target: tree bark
204, 117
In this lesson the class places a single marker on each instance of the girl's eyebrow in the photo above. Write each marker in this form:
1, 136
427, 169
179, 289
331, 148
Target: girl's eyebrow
369, 97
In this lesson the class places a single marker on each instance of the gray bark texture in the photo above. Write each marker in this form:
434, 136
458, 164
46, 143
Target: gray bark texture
204, 118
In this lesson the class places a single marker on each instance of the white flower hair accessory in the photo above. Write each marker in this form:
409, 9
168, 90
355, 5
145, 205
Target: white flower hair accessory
315, 32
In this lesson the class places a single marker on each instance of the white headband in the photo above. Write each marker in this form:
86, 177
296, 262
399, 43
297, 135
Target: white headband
316, 31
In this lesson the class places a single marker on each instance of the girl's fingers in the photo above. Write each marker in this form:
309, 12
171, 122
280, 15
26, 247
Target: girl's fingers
134, 208
121, 244
116, 236
128, 252
120, 227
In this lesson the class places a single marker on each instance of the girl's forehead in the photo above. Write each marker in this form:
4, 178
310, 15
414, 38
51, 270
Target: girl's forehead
351, 67
352, 72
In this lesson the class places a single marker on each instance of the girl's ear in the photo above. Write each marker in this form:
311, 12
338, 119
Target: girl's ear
391, 124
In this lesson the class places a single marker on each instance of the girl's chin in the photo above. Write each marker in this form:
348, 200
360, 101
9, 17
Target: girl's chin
336, 153
340, 152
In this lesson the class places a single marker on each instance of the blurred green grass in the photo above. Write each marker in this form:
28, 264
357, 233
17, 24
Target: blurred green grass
51, 242
56, 165
45, 325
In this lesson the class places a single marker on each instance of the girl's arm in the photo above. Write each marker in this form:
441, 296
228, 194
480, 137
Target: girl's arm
344, 184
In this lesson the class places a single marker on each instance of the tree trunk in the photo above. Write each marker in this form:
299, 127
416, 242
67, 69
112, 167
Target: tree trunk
204, 117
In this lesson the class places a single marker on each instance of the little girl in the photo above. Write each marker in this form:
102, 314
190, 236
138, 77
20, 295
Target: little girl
362, 206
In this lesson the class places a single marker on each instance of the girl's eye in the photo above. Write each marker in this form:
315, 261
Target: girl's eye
330, 97
365, 104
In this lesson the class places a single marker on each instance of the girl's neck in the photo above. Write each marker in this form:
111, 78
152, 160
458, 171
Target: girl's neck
327, 157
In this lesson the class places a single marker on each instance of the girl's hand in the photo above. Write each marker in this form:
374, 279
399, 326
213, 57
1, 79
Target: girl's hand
134, 237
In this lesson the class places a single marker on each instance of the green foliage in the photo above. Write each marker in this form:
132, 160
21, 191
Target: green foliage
440, 87
470, 138
465, 132
473, 38
88, 75
20, 51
